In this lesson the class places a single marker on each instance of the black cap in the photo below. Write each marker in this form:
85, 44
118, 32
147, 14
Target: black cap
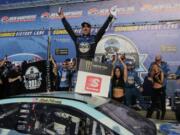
86, 23
67, 60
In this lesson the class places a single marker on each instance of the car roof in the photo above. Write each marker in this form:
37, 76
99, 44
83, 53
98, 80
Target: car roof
91, 100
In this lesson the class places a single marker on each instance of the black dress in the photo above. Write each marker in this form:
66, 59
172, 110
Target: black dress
147, 87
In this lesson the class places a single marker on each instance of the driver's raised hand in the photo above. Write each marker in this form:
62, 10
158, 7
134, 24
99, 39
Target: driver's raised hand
61, 13
113, 11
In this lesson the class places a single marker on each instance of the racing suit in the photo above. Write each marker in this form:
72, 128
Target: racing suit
86, 44
131, 87
64, 79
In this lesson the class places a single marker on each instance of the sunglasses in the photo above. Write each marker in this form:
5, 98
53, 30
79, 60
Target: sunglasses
158, 59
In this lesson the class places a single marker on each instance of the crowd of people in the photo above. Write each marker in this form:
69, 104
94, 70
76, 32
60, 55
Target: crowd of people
125, 78
126, 85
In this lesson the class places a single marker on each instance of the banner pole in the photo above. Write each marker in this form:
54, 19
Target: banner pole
48, 87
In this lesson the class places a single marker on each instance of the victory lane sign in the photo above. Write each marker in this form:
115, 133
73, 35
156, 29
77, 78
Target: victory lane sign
93, 78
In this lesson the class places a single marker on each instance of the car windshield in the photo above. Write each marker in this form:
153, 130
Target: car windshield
128, 118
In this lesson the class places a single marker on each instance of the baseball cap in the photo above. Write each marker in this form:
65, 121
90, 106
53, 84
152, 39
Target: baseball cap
86, 23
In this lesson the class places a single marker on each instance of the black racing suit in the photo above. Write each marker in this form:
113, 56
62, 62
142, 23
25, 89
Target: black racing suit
86, 44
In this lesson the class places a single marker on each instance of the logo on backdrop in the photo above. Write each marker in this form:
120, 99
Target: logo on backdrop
54, 15
93, 84
105, 11
32, 78
119, 44
45, 15
17, 19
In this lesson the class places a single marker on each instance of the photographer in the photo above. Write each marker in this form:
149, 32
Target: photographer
5, 70
15, 81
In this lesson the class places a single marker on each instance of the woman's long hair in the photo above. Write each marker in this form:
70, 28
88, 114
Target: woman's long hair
114, 77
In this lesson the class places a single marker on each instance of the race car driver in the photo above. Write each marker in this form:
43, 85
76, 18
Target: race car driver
85, 43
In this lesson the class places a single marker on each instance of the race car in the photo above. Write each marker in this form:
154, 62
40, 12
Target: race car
69, 113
